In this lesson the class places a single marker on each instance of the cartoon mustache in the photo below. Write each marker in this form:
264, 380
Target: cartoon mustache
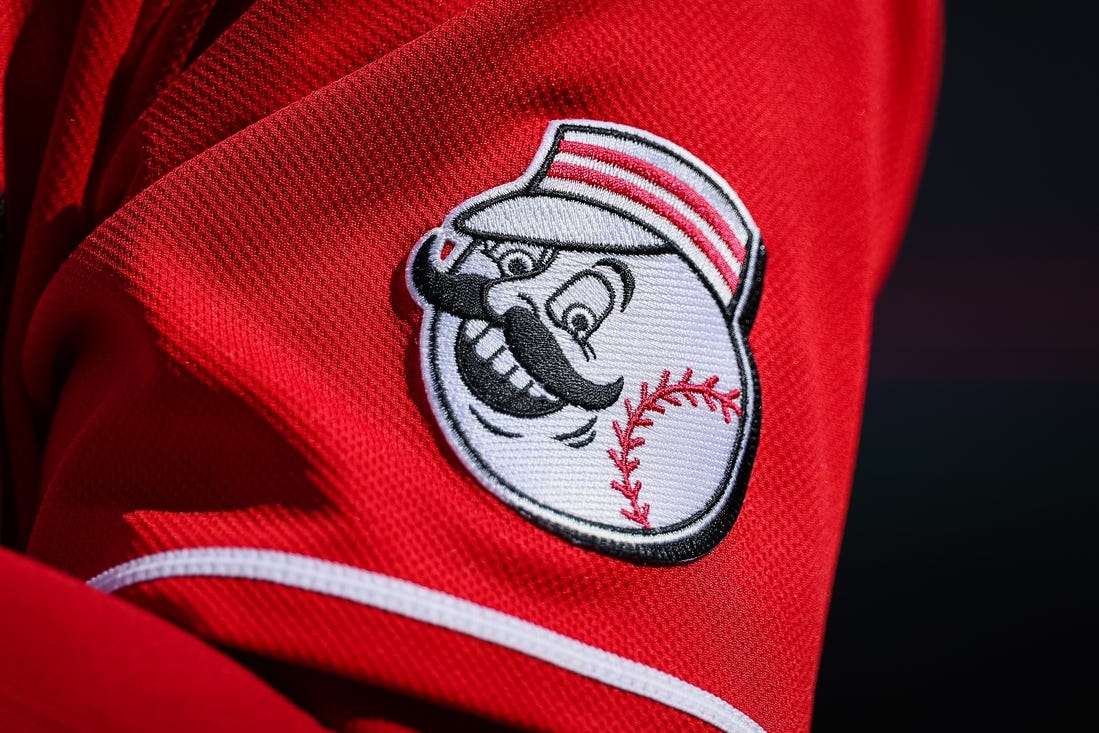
462, 295
531, 342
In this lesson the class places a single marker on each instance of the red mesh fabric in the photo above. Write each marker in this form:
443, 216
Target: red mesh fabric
209, 340
72, 659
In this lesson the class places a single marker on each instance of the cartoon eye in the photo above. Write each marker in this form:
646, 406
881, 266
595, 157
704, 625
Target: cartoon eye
516, 259
517, 263
582, 304
580, 320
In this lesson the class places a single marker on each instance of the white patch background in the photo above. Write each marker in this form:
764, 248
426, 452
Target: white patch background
672, 323
693, 466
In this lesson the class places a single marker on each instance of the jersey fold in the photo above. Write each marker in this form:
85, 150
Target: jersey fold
507, 357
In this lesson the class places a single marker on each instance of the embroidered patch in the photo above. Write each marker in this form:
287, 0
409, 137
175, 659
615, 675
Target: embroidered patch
584, 342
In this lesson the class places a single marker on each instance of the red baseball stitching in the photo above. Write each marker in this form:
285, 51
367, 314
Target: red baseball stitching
635, 418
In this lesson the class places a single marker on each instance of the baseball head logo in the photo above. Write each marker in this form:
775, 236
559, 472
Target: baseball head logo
584, 342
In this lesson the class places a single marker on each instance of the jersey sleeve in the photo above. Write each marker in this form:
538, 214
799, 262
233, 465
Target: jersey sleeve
501, 358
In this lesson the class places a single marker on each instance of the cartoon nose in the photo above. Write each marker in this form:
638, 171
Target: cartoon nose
505, 295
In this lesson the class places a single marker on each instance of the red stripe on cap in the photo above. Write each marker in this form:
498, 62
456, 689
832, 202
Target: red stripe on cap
662, 178
571, 172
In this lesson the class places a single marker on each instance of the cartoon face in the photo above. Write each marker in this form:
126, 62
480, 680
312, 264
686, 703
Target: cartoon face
600, 386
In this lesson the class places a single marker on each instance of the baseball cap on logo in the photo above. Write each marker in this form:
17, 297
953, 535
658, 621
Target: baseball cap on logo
608, 188
584, 348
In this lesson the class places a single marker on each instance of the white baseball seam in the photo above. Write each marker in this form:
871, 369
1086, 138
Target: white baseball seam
433, 607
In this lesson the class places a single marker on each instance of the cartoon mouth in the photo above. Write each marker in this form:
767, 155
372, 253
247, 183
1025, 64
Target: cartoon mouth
492, 374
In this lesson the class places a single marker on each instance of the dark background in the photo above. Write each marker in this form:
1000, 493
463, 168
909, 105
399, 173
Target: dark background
964, 593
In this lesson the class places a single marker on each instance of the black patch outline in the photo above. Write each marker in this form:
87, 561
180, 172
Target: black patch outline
734, 487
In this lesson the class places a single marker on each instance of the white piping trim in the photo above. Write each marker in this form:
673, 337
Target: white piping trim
432, 607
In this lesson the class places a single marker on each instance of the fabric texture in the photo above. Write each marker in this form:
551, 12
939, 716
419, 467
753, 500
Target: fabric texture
76, 659
209, 341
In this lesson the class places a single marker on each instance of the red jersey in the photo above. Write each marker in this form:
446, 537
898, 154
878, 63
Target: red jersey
440, 361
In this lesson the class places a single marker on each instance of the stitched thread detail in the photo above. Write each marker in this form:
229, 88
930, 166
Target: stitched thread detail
671, 394
682, 241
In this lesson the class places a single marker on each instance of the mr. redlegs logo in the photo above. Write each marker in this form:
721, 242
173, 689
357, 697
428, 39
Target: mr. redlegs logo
584, 342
